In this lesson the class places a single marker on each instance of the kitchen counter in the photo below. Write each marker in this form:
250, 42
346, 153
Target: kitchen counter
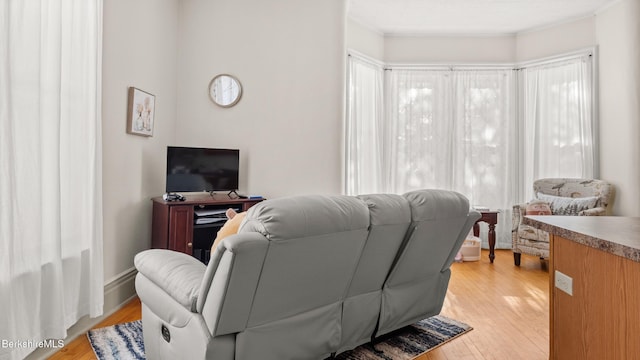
616, 235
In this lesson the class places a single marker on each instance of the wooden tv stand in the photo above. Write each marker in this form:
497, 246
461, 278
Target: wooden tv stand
174, 223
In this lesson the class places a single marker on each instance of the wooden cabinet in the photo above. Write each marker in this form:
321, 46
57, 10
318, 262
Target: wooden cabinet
174, 224
594, 309
601, 320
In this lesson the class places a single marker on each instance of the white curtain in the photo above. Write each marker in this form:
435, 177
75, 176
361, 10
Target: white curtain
485, 146
455, 130
364, 129
50, 169
558, 130
483, 132
418, 130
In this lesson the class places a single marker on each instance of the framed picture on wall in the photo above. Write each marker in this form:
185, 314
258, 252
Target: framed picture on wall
140, 112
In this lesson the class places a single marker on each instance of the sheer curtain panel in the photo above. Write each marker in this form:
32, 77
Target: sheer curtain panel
418, 130
558, 127
453, 129
364, 128
481, 131
50, 169
485, 147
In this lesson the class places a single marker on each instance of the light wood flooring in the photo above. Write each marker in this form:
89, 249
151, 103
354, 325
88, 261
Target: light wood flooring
80, 349
507, 306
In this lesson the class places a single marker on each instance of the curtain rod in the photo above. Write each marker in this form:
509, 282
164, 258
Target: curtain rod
557, 58
364, 58
449, 67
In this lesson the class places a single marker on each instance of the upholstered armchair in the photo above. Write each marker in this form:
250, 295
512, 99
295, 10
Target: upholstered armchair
582, 197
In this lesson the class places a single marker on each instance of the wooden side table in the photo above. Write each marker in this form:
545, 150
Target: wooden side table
491, 218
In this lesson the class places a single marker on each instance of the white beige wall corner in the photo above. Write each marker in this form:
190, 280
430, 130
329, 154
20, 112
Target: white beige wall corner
618, 37
140, 42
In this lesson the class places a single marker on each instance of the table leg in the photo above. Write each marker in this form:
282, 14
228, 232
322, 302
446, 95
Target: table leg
476, 229
492, 241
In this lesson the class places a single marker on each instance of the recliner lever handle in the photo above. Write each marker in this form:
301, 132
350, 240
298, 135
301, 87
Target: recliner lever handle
166, 335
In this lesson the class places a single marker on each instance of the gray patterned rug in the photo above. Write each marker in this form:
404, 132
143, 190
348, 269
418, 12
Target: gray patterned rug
411, 341
124, 341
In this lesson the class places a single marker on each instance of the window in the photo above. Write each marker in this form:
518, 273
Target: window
460, 129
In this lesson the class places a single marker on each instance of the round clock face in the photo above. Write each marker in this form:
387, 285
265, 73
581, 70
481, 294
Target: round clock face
225, 90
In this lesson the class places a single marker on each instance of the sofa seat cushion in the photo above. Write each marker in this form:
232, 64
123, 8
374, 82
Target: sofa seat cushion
568, 206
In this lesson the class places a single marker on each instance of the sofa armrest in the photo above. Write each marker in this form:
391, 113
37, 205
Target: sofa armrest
177, 274
598, 211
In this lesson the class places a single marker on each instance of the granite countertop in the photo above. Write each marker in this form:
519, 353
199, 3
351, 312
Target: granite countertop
617, 235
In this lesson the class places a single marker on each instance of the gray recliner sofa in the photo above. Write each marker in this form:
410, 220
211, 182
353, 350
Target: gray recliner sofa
305, 277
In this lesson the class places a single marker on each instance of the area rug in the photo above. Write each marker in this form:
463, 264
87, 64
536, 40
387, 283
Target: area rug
411, 341
118, 342
124, 341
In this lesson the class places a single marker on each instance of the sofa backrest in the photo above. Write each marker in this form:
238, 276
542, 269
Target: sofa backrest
390, 217
313, 247
316, 272
417, 283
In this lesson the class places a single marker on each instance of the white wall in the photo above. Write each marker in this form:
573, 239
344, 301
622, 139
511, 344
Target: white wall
449, 49
534, 44
618, 36
139, 49
289, 56
365, 40
288, 124
555, 40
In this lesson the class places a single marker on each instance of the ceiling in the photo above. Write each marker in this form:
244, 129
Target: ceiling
467, 17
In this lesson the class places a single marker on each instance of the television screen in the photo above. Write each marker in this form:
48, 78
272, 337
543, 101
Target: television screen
201, 169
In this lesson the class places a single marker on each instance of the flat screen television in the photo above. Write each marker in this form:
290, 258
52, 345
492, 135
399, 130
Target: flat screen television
192, 169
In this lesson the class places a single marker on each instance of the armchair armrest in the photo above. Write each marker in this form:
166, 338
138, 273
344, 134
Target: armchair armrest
177, 274
598, 211
518, 214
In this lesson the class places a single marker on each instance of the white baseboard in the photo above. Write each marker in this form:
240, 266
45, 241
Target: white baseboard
117, 293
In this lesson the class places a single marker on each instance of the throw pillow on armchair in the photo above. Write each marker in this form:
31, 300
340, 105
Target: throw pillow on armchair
568, 206
538, 207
